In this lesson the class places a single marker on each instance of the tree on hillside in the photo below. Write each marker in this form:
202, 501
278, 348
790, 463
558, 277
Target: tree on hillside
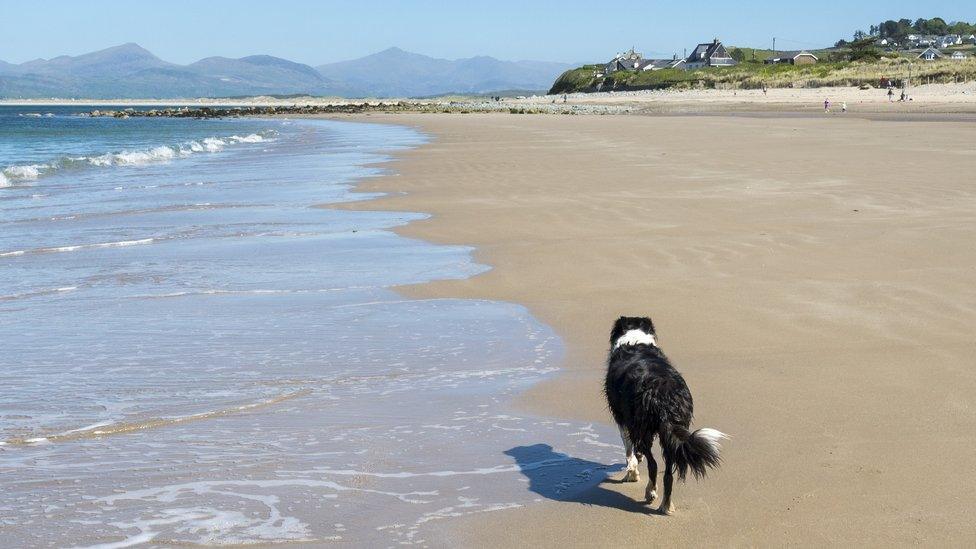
901, 28
737, 54
864, 50
937, 25
895, 29
962, 27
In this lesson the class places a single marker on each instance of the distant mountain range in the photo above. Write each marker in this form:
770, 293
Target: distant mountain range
130, 71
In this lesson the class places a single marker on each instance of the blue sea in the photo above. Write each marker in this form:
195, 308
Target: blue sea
198, 350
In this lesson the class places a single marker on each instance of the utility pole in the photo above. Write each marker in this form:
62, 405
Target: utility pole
774, 46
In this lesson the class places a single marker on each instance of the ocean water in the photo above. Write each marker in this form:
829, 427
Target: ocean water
193, 352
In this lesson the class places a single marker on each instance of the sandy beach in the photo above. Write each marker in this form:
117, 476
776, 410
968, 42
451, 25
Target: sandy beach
954, 99
810, 276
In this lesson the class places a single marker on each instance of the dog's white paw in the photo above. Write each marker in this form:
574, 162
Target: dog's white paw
666, 509
631, 475
650, 496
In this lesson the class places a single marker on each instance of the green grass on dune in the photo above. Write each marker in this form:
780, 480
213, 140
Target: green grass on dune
755, 74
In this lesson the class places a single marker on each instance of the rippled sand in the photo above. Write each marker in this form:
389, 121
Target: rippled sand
812, 277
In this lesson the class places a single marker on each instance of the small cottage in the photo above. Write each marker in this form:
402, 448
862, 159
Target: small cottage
793, 58
930, 54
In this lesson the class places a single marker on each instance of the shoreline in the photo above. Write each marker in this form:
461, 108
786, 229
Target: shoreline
520, 169
374, 428
938, 100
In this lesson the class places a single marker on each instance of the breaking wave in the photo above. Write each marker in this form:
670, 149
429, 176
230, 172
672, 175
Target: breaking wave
76, 247
25, 173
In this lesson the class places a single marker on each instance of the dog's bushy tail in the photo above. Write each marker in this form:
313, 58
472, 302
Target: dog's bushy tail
693, 451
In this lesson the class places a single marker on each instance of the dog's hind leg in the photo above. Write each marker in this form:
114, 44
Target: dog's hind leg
632, 475
667, 507
650, 493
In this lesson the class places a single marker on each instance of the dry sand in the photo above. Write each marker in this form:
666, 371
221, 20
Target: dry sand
813, 279
927, 98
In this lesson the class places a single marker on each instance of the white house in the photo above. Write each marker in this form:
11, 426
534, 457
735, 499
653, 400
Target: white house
661, 64
958, 55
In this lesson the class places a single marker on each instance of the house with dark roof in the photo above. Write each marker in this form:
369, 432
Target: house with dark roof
793, 58
930, 54
710, 54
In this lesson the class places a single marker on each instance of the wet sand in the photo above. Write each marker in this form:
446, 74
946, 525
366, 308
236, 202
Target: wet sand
811, 277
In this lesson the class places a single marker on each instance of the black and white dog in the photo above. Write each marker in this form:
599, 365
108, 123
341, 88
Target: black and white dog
648, 397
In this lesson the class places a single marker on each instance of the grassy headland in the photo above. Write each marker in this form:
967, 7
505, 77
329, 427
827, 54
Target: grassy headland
754, 74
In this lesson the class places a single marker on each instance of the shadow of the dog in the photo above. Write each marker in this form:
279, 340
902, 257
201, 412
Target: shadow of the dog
560, 477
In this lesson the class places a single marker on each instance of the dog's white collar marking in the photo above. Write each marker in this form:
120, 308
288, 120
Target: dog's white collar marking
635, 337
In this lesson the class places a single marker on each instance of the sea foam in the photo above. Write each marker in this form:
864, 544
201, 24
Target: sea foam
11, 175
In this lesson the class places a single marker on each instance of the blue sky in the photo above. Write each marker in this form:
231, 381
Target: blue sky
319, 32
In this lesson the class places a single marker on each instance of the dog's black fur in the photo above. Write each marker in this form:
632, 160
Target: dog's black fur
648, 397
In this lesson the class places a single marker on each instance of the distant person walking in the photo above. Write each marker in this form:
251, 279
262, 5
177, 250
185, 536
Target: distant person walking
843, 106
826, 105
764, 88
891, 94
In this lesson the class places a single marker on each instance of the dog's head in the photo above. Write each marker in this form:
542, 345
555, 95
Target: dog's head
631, 330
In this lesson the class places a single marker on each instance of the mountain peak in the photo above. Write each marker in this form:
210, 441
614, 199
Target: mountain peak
129, 48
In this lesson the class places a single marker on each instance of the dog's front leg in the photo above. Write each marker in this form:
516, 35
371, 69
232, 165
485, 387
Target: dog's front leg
632, 474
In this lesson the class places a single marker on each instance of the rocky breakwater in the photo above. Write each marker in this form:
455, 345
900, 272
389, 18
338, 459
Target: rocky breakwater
533, 105
264, 110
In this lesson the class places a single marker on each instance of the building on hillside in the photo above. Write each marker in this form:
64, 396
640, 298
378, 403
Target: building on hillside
930, 54
793, 58
661, 64
710, 54
627, 61
948, 40
958, 55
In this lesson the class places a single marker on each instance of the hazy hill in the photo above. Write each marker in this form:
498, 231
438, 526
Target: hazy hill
130, 71
394, 72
